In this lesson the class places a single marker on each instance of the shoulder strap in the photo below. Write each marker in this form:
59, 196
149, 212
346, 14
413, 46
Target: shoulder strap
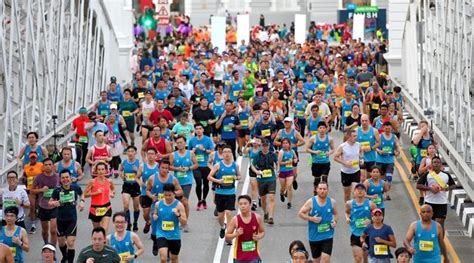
438, 179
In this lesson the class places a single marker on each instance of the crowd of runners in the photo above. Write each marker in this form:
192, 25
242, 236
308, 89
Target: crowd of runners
181, 122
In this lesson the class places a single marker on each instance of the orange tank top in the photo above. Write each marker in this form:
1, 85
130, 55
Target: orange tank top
104, 197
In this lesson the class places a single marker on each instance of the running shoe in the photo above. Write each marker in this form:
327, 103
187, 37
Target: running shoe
421, 201
229, 242
215, 212
186, 228
198, 208
259, 201
288, 205
222, 232
388, 198
265, 218
155, 248
135, 227
33, 229
203, 203
282, 197
146, 229
129, 227
254, 206
270, 221
295, 185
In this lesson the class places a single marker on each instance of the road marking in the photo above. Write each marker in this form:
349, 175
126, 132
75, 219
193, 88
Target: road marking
220, 241
413, 197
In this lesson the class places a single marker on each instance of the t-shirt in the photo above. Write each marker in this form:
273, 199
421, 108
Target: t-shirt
184, 130
429, 180
68, 200
203, 116
156, 115
378, 250
127, 108
51, 182
99, 126
175, 110
9, 199
79, 124
107, 255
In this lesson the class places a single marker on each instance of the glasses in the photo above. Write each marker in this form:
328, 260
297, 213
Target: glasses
120, 222
11, 177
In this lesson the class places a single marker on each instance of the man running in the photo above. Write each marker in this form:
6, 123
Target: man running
230, 123
224, 174
388, 148
130, 189
146, 170
369, 139
14, 236
321, 213
348, 154
123, 240
428, 245
67, 163
169, 213
247, 228
14, 196
98, 251
320, 146
65, 198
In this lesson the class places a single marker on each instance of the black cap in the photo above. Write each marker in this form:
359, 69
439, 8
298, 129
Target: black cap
265, 142
221, 144
360, 185
11, 210
113, 79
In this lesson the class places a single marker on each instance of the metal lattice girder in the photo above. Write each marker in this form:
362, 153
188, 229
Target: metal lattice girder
51, 63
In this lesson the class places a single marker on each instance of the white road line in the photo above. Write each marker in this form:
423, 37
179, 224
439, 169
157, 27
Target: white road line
220, 241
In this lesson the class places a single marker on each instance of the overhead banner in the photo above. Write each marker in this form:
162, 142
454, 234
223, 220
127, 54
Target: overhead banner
300, 28
358, 27
218, 26
243, 29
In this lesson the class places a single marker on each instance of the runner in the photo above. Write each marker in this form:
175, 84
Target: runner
437, 185
218, 107
348, 154
428, 235
130, 189
224, 174
65, 199
31, 146
67, 163
422, 140
14, 236
30, 171
146, 170
320, 146
123, 240
100, 190
244, 113
251, 150
376, 187
154, 191
162, 145
202, 146
183, 127
6, 255
147, 107
48, 253
263, 127
388, 148
358, 217
99, 153
128, 110
43, 186
169, 212
247, 228
98, 250
381, 238
204, 115
264, 164
15, 196
230, 123
286, 158
369, 139
78, 125
183, 163
321, 213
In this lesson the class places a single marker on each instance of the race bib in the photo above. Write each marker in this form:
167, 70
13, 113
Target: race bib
227, 128
289, 165
375, 106
29, 181
160, 196
141, 95
83, 139
264, 81
236, 93
424, 152
380, 250
324, 227
9, 203
66, 198
13, 250
355, 164
203, 123
322, 154
104, 112
48, 193
300, 113
266, 133
244, 123
167, 225
181, 174
365, 145
200, 158
228, 179
360, 222
126, 113
227, 82
426, 245
377, 200
124, 256
130, 176
347, 113
101, 211
314, 133
267, 173
387, 149
249, 246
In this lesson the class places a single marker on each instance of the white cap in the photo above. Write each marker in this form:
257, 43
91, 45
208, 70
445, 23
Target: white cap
161, 58
288, 119
50, 247
338, 55
113, 106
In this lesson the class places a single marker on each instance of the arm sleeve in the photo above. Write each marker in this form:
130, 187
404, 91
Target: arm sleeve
422, 180
450, 180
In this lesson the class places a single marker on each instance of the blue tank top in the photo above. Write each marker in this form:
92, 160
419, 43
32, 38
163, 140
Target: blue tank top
217, 158
161, 94
313, 124
290, 136
157, 188
16, 249
422, 149
244, 117
104, 108
26, 156
359, 214
378, 123
300, 107
346, 109
377, 190
71, 168
388, 148
236, 88
323, 146
130, 170
124, 247
184, 178
287, 157
166, 135
146, 173
180, 102
218, 109
228, 173
322, 230
209, 94
168, 222
367, 140
426, 244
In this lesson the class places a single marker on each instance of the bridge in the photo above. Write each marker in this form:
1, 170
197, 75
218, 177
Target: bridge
56, 56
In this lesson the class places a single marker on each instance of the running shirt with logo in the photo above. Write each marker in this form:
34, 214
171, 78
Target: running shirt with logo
31, 171
300, 108
130, 171
236, 88
379, 250
168, 222
9, 199
287, 160
103, 108
244, 115
71, 168
323, 146
359, 215
388, 148
184, 178
313, 124
322, 230
17, 251
124, 247
377, 190
201, 156
67, 202
51, 182
426, 243
247, 249
265, 163
350, 153
229, 133
290, 136
422, 148
367, 140
146, 173
228, 174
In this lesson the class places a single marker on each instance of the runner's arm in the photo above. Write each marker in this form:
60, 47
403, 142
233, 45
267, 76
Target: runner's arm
304, 210
231, 232
409, 237
24, 239
138, 244
178, 190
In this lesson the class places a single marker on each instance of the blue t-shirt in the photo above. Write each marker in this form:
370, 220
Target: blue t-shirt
201, 156
229, 132
378, 250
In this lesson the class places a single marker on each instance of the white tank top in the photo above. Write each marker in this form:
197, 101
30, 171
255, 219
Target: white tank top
350, 153
147, 109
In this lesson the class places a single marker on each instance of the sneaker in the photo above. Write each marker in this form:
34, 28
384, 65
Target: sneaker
186, 228
388, 198
282, 197
259, 201
155, 248
270, 221
129, 226
33, 229
229, 243
215, 212
265, 218
203, 203
146, 229
254, 206
135, 227
198, 208
295, 185
288, 205
222, 232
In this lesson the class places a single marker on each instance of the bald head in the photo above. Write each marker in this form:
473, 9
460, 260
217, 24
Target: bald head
426, 212
364, 119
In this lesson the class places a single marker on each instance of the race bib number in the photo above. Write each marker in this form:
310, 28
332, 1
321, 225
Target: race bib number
355, 164
227, 128
300, 113
347, 114
249, 246
375, 106
360, 222
181, 174
101, 211
48, 193
314, 133
267, 173
83, 139
228, 179
266, 133
130, 176
244, 123
264, 81
289, 165
324, 227
126, 113
167, 225
66, 198
203, 123
322, 154
227, 82
160, 196
141, 95
124, 256
104, 112
387, 149
236, 93
29, 181
13, 250
9, 203
365, 145
424, 152
377, 200
380, 250
426, 245
200, 158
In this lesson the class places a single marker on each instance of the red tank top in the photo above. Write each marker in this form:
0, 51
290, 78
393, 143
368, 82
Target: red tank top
104, 198
100, 153
158, 146
247, 248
